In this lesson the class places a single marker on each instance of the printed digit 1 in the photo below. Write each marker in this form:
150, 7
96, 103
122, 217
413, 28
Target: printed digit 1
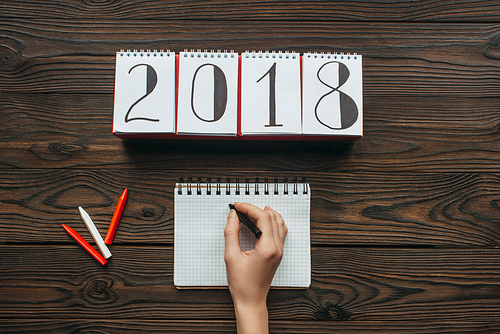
348, 108
220, 93
151, 81
272, 95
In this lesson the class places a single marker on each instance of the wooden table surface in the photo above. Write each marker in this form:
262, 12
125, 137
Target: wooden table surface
405, 222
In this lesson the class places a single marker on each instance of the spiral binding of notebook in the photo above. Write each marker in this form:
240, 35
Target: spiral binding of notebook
200, 215
229, 186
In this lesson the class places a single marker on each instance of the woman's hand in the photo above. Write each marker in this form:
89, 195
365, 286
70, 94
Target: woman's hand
250, 273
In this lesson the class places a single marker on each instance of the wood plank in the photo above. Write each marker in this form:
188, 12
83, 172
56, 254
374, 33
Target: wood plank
439, 285
425, 134
399, 59
452, 209
405, 227
228, 326
453, 11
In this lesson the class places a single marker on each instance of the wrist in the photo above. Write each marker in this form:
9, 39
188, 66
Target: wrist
251, 317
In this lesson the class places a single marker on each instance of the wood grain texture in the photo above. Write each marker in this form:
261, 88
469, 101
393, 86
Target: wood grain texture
393, 10
347, 284
419, 209
405, 222
399, 59
427, 134
56, 326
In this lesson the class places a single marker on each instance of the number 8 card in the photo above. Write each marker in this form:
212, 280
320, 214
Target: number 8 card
332, 94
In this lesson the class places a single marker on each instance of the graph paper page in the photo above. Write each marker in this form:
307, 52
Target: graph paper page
199, 222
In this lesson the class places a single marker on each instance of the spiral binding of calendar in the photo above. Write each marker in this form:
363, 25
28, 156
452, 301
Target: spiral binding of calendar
232, 54
246, 188
208, 54
270, 54
328, 55
144, 53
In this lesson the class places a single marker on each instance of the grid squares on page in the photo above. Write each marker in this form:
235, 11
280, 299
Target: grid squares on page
199, 222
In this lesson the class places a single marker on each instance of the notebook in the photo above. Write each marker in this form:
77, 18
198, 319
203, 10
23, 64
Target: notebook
200, 215
256, 95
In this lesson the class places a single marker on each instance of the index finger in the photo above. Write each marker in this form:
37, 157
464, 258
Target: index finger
252, 211
260, 217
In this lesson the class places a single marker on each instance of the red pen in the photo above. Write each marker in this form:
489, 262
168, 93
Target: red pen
78, 238
116, 218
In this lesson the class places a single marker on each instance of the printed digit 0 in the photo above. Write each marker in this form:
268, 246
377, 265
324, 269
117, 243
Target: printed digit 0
220, 93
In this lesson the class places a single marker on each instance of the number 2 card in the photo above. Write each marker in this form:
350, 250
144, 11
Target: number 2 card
144, 92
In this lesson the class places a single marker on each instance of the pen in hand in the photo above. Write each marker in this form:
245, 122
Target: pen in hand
247, 222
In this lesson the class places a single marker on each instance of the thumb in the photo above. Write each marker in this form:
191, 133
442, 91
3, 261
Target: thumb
231, 234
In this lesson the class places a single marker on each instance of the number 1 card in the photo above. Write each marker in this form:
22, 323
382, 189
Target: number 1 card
270, 93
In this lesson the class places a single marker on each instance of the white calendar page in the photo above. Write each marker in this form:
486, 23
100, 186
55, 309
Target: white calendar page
270, 93
199, 222
144, 92
208, 93
332, 99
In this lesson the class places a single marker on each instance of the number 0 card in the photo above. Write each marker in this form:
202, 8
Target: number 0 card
208, 93
144, 92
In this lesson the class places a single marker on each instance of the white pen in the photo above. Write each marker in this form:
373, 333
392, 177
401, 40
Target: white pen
95, 233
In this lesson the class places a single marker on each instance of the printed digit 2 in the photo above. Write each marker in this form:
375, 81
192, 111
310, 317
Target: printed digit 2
348, 108
220, 93
151, 81
272, 95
